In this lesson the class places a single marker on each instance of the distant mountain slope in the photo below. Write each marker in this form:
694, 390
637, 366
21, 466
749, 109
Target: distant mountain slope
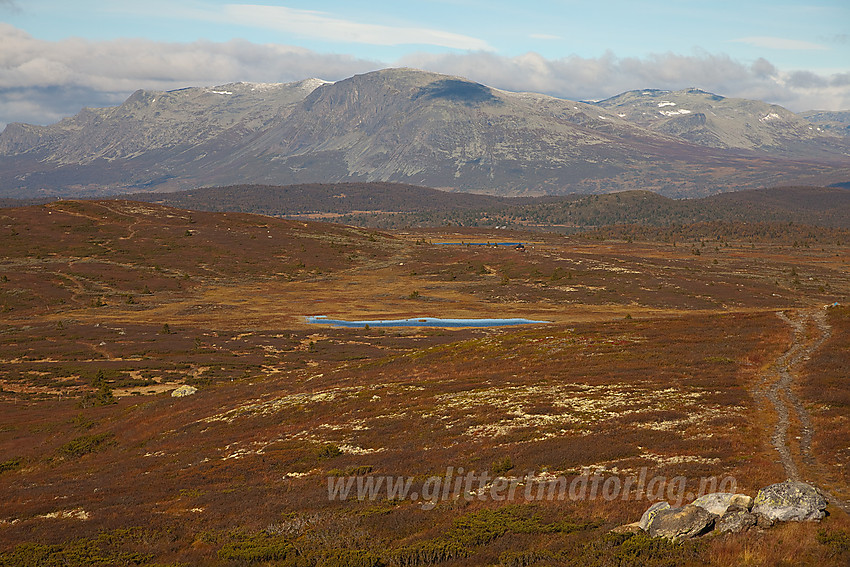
711, 120
420, 128
173, 122
827, 207
337, 198
391, 205
829, 121
143, 142
371, 203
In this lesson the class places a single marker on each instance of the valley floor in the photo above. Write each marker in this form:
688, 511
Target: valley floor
699, 360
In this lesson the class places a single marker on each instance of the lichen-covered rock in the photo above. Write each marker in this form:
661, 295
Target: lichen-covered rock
790, 501
719, 502
650, 513
736, 519
681, 523
764, 522
183, 391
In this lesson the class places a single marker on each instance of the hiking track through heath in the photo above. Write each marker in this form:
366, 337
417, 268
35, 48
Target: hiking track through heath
776, 389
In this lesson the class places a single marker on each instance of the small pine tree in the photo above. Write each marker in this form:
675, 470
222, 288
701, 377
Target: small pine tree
102, 396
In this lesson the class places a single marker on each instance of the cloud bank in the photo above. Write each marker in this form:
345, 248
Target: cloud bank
43, 81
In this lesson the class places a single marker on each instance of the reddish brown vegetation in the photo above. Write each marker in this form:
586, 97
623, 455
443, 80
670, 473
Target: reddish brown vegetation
237, 473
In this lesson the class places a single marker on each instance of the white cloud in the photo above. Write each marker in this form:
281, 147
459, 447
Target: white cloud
41, 81
320, 25
579, 78
780, 43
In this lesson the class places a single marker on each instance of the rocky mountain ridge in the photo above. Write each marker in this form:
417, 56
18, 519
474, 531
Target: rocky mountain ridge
416, 127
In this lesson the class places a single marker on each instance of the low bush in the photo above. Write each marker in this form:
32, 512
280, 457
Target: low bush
636, 549
258, 548
102, 550
525, 558
477, 529
10, 465
85, 444
426, 553
329, 451
502, 466
838, 542
351, 471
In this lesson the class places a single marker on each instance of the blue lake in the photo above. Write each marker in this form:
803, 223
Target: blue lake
422, 322
479, 243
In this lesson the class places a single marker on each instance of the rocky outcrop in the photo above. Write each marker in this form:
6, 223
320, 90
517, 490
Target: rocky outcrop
790, 501
650, 513
719, 502
183, 391
681, 523
736, 519
726, 512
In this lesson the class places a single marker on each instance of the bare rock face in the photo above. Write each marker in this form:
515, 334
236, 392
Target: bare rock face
650, 513
790, 501
682, 523
719, 502
737, 519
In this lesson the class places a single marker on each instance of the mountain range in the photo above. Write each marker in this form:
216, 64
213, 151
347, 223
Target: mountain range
422, 128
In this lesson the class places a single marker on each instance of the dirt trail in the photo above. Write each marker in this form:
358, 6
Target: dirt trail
776, 387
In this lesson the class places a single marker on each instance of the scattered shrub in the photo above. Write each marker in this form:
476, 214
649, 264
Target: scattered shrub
329, 451
838, 542
102, 550
10, 465
636, 549
85, 444
426, 553
525, 558
257, 548
350, 558
502, 466
351, 471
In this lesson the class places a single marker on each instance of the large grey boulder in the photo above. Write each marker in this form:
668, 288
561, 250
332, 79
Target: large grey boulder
790, 501
719, 502
650, 513
681, 523
736, 519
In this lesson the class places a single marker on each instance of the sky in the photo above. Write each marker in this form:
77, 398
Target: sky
58, 56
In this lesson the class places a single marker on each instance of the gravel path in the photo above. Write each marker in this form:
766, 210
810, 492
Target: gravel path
776, 388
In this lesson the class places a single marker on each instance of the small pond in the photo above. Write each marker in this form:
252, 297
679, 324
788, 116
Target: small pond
422, 322
480, 243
